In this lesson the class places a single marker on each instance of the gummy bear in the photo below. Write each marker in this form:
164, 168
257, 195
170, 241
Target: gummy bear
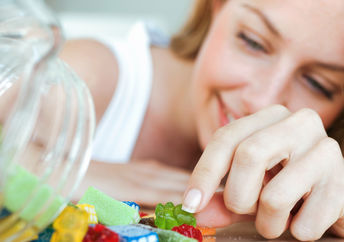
169, 216
70, 225
100, 233
189, 231
142, 214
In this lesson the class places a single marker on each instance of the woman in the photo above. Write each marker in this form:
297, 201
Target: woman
251, 87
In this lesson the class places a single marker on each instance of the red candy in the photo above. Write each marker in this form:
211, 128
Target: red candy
100, 233
142, 214
189, 231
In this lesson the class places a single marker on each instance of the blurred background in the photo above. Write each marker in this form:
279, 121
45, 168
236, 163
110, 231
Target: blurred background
115, 16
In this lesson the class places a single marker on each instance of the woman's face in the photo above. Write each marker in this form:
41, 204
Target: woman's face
264, 52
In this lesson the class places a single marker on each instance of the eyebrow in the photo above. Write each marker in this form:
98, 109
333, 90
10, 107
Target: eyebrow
331, 67
273, 29
265, 19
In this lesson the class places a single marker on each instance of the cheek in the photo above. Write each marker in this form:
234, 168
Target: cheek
328, 111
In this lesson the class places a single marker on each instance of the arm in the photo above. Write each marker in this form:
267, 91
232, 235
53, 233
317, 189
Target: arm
144, 181
97, 66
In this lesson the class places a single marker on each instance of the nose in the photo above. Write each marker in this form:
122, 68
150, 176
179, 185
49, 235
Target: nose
266, 91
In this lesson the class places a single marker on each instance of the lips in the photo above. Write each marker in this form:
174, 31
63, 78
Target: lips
225, 117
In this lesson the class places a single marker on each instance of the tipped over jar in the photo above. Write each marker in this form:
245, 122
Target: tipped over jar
46, 119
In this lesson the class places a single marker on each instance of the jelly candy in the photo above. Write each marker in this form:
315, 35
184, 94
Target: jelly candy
100, 233
189, 231
143, 214
133, 233
206, 231
169, 216
71, 224
45, 235
148, 221
168, 235
110, 211
91, 211
4, 213
65, 236
133, 205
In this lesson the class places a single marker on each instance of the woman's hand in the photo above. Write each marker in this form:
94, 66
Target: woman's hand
145, 182
275, 160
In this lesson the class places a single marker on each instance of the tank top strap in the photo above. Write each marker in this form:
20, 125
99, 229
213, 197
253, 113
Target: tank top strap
118, 129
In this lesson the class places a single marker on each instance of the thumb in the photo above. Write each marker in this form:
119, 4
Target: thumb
215, 214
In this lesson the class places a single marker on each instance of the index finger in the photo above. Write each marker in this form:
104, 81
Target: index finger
217, 157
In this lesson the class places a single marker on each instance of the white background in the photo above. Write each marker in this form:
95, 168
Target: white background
168, 14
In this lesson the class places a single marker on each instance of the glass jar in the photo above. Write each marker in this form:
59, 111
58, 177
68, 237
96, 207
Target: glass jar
46, 117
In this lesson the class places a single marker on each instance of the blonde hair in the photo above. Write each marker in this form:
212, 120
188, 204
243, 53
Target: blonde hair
188, 41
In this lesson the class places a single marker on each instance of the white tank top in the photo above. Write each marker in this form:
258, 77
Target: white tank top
118, 129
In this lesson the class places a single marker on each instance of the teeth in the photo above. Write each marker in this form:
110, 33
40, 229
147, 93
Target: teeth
230, 118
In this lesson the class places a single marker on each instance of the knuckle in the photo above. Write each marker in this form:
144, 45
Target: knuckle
222, 133
280, 109
330, 145
310, 116
273, 202
250, 153
204, 172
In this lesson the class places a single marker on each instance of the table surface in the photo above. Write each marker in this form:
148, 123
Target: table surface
247, 232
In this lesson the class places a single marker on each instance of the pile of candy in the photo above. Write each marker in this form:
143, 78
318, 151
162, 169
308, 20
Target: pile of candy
98, 217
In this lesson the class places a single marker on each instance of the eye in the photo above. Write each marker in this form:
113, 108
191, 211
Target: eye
317, 86
253, 44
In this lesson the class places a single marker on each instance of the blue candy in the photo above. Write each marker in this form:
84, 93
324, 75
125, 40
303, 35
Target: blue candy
45, 235
132, 204
4, 213
132, 233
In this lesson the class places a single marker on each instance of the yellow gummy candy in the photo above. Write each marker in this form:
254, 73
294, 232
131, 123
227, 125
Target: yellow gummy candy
90, 209
72, 219
68, 236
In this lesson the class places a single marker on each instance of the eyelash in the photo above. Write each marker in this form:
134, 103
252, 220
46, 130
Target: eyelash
254, 45
320, 88
251, 43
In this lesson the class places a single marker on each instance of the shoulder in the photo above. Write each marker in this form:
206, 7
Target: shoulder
96, 64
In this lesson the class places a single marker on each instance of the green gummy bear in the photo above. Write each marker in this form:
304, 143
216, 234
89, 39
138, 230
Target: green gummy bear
169, 216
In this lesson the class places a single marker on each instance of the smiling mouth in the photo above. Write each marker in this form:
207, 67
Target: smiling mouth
225, 117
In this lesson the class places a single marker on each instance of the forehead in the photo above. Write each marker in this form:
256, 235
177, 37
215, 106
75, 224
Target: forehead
307, 22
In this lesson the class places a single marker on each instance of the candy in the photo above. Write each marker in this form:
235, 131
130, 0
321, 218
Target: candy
4, 213
132, 204
148, 221
142, 214
91, 211
169, 216
206, 231
69, 236
110, 211
45, 235
24, 190
133, 233
167, 235
70, 224
100, 233
19, 229
189, 231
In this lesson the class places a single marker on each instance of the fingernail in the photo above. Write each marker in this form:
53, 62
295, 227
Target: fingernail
192, 200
